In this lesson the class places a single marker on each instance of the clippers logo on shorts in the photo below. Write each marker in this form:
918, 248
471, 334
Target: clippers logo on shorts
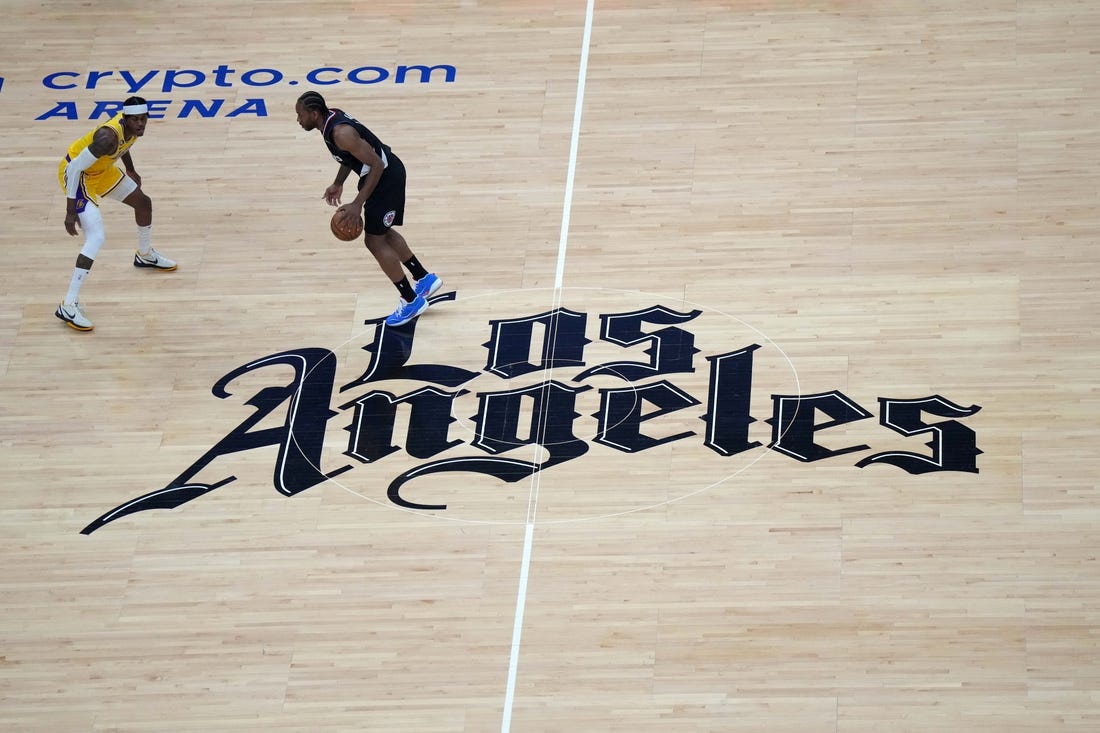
387, 220
527, 409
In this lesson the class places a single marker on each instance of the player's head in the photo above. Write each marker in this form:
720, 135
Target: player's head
311, 110
135, 115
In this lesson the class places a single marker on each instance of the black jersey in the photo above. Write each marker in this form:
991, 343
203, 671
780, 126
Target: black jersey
359, 167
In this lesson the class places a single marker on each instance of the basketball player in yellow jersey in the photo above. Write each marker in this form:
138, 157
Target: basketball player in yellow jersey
88, 174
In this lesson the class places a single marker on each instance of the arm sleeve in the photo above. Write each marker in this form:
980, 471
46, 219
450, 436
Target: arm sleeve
76, 166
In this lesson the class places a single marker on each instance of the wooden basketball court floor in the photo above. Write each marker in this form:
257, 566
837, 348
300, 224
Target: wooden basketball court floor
809, 445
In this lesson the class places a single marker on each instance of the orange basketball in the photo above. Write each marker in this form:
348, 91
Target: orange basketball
345, 234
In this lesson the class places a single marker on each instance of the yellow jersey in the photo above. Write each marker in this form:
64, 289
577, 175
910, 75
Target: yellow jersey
102, 176
105, 162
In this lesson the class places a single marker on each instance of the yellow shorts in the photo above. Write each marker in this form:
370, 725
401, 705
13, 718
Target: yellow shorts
92, 187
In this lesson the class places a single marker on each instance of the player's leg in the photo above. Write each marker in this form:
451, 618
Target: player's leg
384, 210
424, 283
391, 195
91, 223
129, 192
379, 246
410, 305
380, 212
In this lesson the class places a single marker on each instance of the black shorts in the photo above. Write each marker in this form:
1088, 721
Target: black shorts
386, 206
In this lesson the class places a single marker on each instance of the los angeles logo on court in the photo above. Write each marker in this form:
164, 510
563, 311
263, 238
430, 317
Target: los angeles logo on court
548, 390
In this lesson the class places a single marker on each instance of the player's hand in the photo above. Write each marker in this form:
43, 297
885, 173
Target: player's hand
332, 194
70, 223
346, 216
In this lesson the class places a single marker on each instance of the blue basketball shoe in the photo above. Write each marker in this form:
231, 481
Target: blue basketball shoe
407, 311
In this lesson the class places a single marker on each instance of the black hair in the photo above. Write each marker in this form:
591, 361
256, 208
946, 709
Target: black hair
314, 102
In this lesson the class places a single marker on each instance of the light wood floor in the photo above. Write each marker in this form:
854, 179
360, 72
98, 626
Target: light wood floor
892, 200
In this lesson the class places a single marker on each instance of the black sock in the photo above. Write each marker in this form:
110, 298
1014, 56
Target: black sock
406, 290
415, 268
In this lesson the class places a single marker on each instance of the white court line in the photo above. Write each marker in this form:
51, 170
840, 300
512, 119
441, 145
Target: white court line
532, 501
517, 629
567, 206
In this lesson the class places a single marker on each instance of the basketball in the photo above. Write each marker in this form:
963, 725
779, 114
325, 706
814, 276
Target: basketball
339, 232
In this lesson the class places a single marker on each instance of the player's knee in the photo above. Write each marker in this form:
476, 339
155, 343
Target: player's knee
93, 241
141, 203
91, 222
376, 243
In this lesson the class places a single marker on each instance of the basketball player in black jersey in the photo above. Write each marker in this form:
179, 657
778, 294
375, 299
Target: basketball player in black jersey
381, 197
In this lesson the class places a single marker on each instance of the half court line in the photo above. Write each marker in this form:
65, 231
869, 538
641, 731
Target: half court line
559, 277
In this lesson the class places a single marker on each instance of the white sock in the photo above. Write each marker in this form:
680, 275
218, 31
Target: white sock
145, 240
79, 273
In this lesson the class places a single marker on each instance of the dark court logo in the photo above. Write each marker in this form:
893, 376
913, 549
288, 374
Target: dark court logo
542, 364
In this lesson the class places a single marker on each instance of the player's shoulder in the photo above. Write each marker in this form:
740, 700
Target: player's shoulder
345, 117
342, 125
105, 132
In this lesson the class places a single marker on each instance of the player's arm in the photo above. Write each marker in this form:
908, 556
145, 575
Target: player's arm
347, 139
128, 162
332, 193
104, 142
